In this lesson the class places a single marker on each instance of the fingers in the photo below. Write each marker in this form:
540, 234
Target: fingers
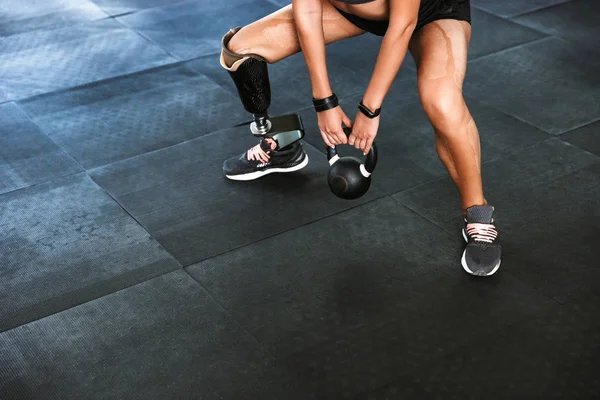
340, 136
355, 139
336, 135
369, 145
361, 142
327, 139
351, 139
330, 125
347, 122
332, 138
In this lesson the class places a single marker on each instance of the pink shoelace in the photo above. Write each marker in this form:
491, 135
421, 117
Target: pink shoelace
482, 232
257, 153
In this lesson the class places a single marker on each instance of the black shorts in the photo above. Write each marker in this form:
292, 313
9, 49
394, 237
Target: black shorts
448, 9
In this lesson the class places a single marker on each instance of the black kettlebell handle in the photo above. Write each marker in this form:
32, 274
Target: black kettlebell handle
371, 159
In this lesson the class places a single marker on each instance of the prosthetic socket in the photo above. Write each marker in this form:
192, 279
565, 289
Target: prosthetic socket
250, 75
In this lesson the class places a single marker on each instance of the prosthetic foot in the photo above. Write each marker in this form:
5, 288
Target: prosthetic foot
279, 149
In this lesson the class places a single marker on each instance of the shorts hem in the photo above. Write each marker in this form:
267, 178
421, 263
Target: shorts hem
461, 11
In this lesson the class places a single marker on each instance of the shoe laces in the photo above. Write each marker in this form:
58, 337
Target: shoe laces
261, 151
485, 233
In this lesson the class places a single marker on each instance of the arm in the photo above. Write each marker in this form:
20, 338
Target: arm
403, 19
308, 16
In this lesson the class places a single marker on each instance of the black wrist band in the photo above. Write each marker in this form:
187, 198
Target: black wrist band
365, 110
325, 104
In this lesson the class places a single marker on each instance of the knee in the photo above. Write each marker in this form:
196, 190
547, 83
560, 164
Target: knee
242, 42
239, 42
445, 106
235, 47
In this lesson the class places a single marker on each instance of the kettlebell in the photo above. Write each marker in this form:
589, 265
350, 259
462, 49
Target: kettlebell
349, 178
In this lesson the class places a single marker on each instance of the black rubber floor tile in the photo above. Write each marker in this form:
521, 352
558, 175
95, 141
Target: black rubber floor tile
575, 20
350, 65
512, 184
552, 354
27, 156
501, 134
406, 141
490, 34
182, 197
555, 251
116, 119
66, 242
316, 283
37, 14
160, 339
587, 137
549, 83
586, 300
514, 7
193, 29
117, 7
452, 310
43, 61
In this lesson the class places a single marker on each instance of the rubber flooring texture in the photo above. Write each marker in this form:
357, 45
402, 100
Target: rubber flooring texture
130, 268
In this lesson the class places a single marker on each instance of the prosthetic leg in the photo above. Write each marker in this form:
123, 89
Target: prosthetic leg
280, 149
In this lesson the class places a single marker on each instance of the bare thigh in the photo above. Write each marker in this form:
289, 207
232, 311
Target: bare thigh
440, 51
274, 36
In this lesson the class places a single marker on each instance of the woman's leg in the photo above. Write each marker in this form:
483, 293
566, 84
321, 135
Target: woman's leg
246, 54
274, 36
440, 50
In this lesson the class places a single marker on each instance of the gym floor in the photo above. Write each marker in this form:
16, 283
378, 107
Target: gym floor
130, 268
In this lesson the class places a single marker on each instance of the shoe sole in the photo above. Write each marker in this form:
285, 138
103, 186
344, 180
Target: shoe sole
259, 174
463, 261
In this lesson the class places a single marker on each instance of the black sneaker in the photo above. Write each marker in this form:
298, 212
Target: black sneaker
261, 160
482, 254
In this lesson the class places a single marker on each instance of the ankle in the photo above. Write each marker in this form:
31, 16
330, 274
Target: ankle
481, 203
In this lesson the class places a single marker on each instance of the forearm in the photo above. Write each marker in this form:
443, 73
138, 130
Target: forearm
392, 53
308, 17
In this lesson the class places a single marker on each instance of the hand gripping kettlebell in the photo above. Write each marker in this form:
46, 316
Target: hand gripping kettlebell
349, 178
